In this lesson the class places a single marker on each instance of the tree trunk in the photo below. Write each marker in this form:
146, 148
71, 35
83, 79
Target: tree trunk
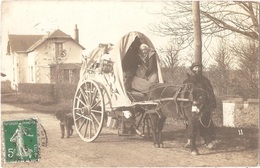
197, 32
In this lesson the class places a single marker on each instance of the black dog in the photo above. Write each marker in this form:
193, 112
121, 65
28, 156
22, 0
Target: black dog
66, 122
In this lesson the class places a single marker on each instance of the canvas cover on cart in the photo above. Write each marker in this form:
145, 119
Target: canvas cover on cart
106, 64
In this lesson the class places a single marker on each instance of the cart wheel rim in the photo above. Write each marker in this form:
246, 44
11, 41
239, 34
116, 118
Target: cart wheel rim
88, 110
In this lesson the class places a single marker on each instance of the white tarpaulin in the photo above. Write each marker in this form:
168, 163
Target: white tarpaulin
114, 80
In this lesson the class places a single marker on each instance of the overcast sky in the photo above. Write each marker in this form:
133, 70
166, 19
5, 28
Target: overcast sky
98, 22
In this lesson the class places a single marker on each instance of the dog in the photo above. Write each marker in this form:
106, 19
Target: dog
66, 122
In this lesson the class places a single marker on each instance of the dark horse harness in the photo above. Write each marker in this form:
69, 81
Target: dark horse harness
182, 95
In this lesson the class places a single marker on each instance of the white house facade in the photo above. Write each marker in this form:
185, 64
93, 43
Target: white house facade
44, 58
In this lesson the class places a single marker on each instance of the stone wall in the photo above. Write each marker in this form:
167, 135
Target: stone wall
239, 113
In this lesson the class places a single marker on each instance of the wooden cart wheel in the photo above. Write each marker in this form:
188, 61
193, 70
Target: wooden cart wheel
88, 110
43, 136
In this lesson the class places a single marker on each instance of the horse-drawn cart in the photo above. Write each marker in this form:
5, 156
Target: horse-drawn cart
102, 90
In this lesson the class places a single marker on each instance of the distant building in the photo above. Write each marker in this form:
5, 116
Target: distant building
52, 58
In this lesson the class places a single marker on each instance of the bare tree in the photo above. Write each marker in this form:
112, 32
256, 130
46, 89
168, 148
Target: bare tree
221, 71
170, 53
223, 56
248, 54
170, 59
217, 19
170, 56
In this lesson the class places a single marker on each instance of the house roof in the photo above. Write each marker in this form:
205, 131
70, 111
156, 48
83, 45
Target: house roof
27, 43
55, 34
58, 34
21, 43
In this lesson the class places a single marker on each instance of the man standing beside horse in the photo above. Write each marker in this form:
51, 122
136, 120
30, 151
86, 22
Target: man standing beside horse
206, 127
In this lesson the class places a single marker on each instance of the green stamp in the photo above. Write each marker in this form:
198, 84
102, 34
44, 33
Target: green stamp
21, 140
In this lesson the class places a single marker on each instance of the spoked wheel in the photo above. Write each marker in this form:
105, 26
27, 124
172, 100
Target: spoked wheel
43, 136
88, 110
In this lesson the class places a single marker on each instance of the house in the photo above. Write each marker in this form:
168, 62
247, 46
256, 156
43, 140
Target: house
52, 58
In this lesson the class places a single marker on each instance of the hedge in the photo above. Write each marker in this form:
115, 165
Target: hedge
40, 89
6, 87
54, 92
65, 91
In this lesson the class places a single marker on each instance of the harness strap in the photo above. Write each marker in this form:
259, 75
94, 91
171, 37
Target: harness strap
181, 92
191, 95
176, 94
206, 126
183, 88
180, 112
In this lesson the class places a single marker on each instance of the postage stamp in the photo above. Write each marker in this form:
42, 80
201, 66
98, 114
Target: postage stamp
21, 142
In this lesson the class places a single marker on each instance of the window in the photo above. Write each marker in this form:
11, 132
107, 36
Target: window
31, 74
58, 49
69, 76
14, 73
53, 74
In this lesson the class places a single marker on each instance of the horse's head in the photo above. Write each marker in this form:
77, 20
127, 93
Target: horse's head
199, 98
198, 95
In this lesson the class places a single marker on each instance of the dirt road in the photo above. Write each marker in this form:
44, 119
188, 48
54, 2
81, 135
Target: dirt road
109, 150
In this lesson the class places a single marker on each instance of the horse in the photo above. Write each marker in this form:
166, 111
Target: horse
186, 101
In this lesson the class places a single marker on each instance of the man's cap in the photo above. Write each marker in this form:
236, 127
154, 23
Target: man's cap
195, 64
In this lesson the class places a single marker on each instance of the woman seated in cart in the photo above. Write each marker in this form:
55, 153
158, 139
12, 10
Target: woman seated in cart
145, 74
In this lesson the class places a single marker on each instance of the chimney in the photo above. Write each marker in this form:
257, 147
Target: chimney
76, 34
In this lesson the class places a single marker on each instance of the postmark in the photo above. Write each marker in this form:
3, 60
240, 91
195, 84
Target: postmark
21, 142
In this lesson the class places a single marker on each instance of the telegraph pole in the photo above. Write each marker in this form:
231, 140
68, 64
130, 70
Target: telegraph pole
197, 32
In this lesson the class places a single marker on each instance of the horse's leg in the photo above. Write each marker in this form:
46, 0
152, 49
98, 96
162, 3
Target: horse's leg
146, 127
154, 126
208, 135
62, 128
192, 133
187, 145
71, 130
161, 122
68, 130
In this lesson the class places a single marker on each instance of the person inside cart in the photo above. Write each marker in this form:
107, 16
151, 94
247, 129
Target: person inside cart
142, 75
146, 73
